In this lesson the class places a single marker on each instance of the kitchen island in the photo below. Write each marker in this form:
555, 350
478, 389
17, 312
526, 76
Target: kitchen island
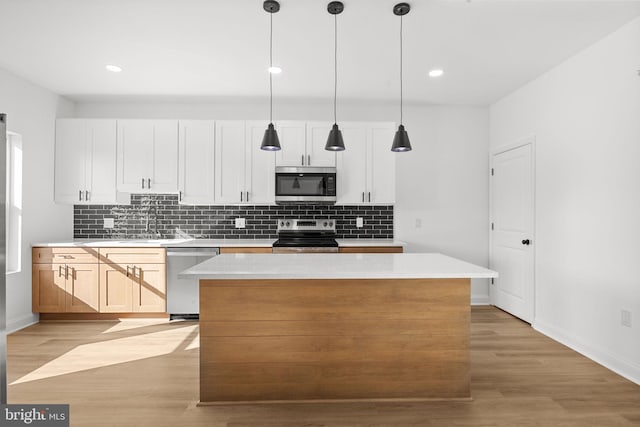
306, 327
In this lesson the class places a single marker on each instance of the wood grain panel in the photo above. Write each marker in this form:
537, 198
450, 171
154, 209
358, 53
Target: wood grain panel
334, 339
46, 255
370, 249
333, 327
414, 348
246, 250
332, 299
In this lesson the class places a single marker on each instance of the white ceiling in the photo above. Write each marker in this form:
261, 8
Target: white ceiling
212, 48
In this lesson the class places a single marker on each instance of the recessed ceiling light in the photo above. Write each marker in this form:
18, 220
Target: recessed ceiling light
437, 72
275, 70
113, 68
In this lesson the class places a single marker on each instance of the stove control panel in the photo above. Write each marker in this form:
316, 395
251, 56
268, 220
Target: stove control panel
306, 225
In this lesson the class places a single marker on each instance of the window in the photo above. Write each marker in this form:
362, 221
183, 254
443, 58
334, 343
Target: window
14, 203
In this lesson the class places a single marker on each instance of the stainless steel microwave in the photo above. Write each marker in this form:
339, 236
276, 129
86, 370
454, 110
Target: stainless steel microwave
305, 184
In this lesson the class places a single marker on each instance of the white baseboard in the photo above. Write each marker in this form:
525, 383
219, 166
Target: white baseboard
480, 300
14, 325
620, 366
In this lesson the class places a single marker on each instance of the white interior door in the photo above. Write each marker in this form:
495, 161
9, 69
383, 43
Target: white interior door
512, 243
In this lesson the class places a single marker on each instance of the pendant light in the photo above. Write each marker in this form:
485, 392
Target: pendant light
401, 139
270, 141
335, 142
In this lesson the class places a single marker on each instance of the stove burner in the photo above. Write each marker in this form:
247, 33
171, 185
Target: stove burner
306, 235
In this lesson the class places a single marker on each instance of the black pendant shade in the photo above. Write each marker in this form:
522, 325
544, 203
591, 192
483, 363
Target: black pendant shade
401, 140
335, 142
270, 141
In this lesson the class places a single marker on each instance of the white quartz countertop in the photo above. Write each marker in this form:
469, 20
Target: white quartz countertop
204, 243
166, 243
336, 266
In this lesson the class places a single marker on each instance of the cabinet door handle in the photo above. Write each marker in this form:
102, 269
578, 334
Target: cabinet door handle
148, 182
66, 271
302, 157
308, 159
363, 197
241, 195
139, 275
179, 196
247, 198
369, 196
59, 271
128, 267
86, 195
142, 182
80, 195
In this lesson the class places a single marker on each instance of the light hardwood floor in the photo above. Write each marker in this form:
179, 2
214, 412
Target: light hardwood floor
145, 373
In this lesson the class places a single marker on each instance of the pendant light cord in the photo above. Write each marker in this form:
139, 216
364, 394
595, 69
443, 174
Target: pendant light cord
271, 68
335, 67
401, 69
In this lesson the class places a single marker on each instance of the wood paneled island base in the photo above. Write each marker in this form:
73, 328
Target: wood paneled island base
275, 340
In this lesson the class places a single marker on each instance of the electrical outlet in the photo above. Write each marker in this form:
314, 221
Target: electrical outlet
109, 223
625, 318
359, 222
418, 223
240, 223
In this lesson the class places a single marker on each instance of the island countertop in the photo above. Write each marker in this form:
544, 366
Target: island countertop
336, 266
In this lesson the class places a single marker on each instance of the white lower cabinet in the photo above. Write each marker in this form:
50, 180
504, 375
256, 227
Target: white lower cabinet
244, 174
196, 162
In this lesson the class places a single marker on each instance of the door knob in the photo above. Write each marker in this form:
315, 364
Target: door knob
526, 242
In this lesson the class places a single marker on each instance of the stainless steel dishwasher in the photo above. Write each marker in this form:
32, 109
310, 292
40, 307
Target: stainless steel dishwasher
182, 294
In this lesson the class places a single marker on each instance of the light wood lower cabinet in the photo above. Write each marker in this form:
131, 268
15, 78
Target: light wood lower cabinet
135, 288
65, 280
99, 280
65, 288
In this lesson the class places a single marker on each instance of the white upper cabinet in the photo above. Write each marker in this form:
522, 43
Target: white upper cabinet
260, 178
352, 165
381, 164
147, 156
230, 162
244, 172
317, 135
303, 144
196, 151
85, 161
366, 169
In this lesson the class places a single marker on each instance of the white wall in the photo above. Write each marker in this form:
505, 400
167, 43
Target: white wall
31, 112
585, 115
443, 181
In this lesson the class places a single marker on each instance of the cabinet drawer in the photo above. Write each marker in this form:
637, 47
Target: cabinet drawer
64, 255
133, 255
